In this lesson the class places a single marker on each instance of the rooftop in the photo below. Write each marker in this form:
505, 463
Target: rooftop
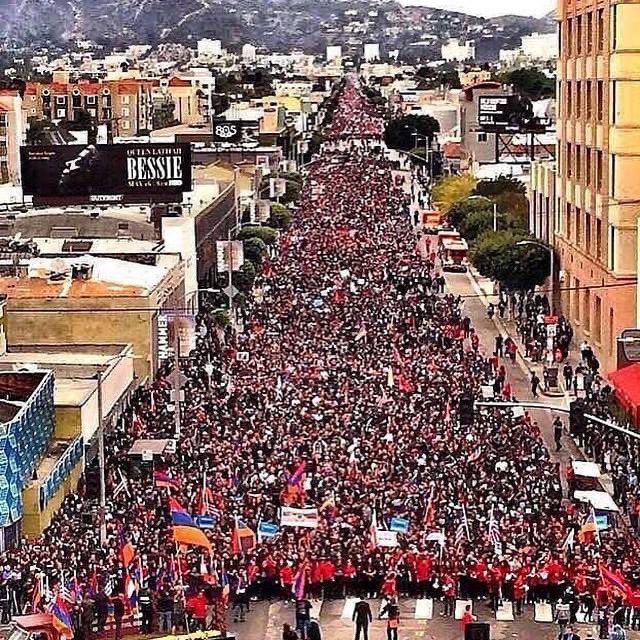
100, 277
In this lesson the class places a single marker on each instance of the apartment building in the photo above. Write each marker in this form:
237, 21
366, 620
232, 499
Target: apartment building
12, 132
126, 106
598, 190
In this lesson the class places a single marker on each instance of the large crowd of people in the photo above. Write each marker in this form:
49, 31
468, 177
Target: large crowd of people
342, 394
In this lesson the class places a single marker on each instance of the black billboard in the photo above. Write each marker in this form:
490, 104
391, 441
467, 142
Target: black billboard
107, 173
509, 114
499, 112
227, 131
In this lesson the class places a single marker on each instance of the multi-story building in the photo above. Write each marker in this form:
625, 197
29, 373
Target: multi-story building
12, 131
598, 191
126, 106
542, 199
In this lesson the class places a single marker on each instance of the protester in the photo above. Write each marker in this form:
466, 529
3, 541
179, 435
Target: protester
341, 394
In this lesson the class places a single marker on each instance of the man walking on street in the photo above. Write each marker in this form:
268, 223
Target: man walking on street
567, 372
499, 343
362, 617
557, 433
535, 384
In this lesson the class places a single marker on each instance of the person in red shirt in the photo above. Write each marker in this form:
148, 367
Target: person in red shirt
286, 582
467, 616
328, 573
389, 586
449, 592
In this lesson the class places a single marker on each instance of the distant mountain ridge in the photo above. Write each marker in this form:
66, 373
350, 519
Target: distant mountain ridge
276, 24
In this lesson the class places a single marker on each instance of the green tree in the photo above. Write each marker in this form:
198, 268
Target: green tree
462, 209
280, 216
530, 83
478, 222
245, 278
501, 184
497, 255
164, 115
451, 189
254, 250
399, 133
515, 207
266, 234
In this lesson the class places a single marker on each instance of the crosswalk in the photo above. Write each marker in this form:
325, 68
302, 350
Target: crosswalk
425, 608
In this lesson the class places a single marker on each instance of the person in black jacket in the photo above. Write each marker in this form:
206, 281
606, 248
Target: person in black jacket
118, 614
362, 617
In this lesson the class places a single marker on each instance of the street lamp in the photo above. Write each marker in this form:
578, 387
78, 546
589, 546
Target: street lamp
101, 455
535, 243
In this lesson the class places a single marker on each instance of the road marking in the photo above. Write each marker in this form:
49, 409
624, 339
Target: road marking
349, 606
505, 612
424, 609
542, 612
461, 605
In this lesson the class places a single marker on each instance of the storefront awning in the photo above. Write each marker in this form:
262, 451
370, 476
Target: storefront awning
627, 384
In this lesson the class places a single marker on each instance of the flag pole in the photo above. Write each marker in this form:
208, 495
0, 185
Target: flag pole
466, 523
184, 597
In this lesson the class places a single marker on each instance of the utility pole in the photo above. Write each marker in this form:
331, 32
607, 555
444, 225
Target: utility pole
177, 384
232, 315
101, 465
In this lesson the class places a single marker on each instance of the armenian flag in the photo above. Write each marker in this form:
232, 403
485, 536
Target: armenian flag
616, 581
61, 617
163, 479
179, 515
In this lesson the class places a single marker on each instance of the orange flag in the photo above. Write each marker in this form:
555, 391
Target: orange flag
191, 535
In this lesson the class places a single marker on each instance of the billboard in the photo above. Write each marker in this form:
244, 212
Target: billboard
499, 112
106, 173
227, 131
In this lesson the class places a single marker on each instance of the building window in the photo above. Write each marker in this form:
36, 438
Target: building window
569, 160
589, 18
125, 125
125, 99
599, 239
91, 99
569, 99
587, 310
578, 99
597, 319
570, 37
61, 113
579, 241
600, 100
482, 136
558, 217
125, 112
587, 231
578, 163
589, 99
568, 216
612, 334
588, 166
576, 299
600, 30
579, 35
599, 169
61, 99
612, 247
612, 177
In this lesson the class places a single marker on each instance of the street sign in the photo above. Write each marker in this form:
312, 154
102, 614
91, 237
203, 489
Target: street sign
147, 455
231, 291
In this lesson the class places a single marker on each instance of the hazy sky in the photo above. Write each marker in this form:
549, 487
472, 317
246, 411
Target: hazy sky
491, 7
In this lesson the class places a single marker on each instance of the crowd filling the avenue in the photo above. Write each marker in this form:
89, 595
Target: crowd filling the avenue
338, 405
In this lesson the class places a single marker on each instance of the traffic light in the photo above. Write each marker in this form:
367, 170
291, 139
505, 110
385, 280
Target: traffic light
465, 409
577, 420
